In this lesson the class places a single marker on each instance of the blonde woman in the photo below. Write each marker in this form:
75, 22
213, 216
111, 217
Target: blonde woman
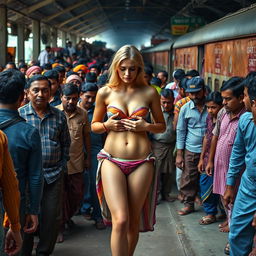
126, 181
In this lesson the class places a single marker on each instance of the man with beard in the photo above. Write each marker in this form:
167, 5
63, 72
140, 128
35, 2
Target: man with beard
55, 139
190, 132
79, 129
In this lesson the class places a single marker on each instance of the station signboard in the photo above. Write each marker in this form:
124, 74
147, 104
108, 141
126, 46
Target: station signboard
181, 25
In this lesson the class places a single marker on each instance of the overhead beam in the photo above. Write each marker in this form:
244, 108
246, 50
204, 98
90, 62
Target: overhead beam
36, 6
89, 29
72, 7
76, 25
83, 22
213, 9
133, 7
96, 32
27, 10
76, 17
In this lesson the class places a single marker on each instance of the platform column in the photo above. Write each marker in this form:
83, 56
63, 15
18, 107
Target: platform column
63, 39
73, 40
3, 34
78, 38
21, 48
36, 38
54, 35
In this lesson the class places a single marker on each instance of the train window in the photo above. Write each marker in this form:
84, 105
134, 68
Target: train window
216, 84
209, 82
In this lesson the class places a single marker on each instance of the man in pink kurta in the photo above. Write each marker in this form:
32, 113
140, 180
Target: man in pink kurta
224, 135
225, 129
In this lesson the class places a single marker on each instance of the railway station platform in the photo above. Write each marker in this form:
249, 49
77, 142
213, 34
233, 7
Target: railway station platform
174, 235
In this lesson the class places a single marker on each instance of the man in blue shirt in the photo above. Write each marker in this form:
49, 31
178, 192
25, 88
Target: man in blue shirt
243, 154
88, 96
24, 144
190, 132
55, 139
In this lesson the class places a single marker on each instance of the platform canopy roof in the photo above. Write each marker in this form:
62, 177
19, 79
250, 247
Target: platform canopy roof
127, 19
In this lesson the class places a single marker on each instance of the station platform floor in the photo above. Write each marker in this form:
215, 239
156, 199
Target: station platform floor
174, 235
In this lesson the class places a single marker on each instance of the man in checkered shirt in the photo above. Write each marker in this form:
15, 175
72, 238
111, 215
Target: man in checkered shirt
55, 138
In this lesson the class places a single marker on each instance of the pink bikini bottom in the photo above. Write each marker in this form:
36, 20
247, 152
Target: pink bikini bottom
126, 166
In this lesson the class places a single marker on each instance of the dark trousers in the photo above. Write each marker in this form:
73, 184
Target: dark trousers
190, 178
164, 166
73, 193
50, 219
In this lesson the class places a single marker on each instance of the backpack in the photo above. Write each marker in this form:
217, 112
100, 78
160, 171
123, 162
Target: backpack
11, 122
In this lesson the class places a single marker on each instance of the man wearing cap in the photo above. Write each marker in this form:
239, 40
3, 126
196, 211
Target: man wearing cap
74, 79
32, 71
190, 132
81, 71
61, 71
88, 96
94, 68
91, 77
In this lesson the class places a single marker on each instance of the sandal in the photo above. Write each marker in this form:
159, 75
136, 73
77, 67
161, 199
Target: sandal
99, 224
206, 220
227, 249
186, 210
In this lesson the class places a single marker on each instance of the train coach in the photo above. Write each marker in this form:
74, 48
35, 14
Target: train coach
219, 50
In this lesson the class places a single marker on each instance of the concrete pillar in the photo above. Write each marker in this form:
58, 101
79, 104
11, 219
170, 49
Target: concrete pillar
36, 38
73, 39
54, 36
78, 38
3, 35
63, 38
20, 43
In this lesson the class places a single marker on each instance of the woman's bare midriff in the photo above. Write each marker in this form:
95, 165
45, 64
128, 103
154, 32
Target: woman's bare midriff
128, 145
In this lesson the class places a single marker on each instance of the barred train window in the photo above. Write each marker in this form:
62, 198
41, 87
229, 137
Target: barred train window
216, 84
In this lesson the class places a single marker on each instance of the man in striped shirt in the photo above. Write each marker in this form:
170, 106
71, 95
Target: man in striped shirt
55, 139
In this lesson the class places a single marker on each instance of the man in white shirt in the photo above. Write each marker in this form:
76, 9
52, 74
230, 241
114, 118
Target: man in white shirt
43, 57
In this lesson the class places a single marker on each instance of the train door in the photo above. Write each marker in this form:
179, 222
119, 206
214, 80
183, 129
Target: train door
201, 60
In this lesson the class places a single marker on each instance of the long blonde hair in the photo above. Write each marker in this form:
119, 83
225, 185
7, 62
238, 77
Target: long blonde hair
126, 52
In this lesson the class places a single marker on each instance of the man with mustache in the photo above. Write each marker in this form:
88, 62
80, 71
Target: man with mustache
190, 132
55, 139
79, 129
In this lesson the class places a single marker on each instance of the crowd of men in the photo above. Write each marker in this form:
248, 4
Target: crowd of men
45, 114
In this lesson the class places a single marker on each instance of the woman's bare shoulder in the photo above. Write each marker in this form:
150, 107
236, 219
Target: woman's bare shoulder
150, 91
104, 91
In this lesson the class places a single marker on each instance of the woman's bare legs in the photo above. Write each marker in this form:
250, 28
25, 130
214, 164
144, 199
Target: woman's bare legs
139, 183
115, 191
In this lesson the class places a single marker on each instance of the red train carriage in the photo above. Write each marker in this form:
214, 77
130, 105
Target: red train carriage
219, 50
